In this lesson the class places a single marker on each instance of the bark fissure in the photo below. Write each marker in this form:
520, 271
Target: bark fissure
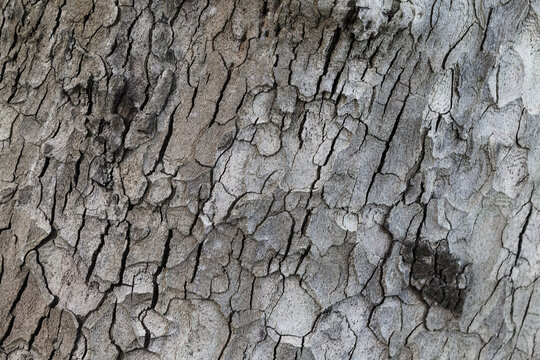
300, 179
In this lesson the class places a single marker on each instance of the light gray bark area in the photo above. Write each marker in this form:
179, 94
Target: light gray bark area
279, 179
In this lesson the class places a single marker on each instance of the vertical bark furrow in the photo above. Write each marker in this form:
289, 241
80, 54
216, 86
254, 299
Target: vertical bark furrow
231, 179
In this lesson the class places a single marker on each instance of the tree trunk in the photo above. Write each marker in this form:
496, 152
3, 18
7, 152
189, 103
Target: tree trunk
279, 179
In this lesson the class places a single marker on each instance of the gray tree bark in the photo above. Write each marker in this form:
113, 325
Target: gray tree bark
279, 179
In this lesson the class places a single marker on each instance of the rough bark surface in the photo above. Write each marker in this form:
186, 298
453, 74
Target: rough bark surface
280, 179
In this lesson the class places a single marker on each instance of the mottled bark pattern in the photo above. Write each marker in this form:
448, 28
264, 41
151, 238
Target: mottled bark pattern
277, 179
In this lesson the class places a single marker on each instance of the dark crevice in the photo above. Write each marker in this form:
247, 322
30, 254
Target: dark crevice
15, 86
89, 94
147, 333
521, 235
302, 257
164, 259
8, 331
33, 336
57, 21
111, 337
486, 29
229, 321
338, 75
218, 102
167, 139
1, 267
351, 16
97, 251
125, 254
300, 130
12, 308
83, 222
387, 147
274, 355
77, 170
331, 48
78, 336
455, 45
197, 260
45, 166
289, 241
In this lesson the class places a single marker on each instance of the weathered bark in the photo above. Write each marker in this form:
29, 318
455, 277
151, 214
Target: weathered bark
324, 179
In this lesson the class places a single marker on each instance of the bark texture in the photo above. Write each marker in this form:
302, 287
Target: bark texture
279, 179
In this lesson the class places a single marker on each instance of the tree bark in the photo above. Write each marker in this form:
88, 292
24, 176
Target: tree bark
279, 179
